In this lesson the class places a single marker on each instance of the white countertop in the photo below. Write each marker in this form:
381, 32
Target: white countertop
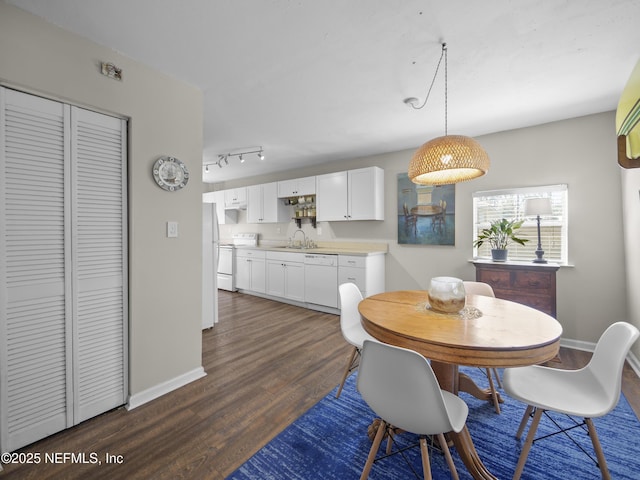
330, 248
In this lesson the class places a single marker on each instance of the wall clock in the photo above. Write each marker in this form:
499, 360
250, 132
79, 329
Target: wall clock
170, 173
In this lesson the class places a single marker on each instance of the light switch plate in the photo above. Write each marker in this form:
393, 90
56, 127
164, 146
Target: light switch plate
172, 229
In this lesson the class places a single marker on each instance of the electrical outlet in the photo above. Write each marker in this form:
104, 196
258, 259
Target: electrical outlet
172, 229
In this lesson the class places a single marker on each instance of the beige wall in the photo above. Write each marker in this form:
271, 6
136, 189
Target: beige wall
580, 152
165, 118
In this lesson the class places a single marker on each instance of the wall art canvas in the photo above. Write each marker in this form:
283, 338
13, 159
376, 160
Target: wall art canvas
426, 213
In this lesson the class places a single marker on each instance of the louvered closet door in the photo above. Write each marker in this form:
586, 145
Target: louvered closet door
99, 270
35, 372
58, 296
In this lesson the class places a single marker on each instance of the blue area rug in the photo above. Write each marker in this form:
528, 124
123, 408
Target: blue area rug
330, 442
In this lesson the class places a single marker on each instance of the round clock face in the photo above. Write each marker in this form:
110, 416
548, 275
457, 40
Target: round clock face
170, 173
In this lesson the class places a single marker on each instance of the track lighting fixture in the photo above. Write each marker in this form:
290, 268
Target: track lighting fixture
223, 158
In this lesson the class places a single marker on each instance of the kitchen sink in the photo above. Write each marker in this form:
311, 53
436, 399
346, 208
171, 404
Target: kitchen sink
303, 248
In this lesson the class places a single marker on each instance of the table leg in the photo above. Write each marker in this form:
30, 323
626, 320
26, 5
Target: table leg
466, 384
450, 380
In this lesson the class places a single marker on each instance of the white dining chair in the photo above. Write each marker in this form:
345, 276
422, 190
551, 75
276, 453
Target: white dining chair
481, 288
401, 388
589, 392
351, 326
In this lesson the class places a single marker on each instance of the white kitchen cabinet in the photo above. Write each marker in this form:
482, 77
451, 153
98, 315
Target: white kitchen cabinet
350, 195
235, 198
264, 206
297, 186
250, 270
285, 275
225, 216
366, 271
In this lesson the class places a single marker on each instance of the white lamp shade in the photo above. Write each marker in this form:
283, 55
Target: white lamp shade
537, 206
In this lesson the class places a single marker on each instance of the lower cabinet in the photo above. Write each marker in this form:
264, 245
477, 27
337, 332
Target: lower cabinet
285, 275
297, 278
250, 270
367, 272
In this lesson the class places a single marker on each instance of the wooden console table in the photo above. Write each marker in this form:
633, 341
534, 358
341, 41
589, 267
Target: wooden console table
528, 283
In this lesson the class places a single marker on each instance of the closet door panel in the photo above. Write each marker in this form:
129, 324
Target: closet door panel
63, 266
99, 253
34, 338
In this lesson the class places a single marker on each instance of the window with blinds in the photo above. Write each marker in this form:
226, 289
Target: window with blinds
489, 206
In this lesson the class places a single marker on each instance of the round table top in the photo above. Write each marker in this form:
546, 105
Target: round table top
504, 334
426, 210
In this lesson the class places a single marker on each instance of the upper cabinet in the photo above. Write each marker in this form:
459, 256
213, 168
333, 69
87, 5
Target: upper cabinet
235, 198
224, 215
264, 206
351, 195
297, 186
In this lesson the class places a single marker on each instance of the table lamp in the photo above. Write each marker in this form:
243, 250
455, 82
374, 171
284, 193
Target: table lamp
534, 207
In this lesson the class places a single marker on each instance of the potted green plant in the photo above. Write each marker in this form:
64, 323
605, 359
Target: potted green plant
499, 235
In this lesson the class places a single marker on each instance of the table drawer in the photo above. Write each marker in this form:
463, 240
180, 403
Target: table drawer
532, 280
496, 278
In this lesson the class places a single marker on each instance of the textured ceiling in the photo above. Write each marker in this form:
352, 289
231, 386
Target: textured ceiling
318, 81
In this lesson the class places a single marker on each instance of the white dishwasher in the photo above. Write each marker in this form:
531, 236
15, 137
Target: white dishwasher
321, 279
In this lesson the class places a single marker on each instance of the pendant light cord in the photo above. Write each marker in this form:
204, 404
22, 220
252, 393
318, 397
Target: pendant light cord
443, 54
446, 83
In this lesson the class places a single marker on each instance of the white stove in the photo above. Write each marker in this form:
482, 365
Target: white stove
245, 240
227, 259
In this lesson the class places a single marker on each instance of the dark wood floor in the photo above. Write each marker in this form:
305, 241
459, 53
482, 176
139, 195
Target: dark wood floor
267, 363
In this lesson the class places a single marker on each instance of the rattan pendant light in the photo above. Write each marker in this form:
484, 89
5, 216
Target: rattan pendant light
448, 159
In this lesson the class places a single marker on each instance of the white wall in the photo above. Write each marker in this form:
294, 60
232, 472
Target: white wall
165, 118
580, 152
631, 206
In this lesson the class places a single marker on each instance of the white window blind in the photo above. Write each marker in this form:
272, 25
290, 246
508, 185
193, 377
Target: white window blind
489, 206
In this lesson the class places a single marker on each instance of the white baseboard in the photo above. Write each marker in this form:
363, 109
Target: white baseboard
163, 388
590, 347
577, 344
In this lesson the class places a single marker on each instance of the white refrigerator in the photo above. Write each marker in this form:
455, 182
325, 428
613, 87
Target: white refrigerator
210, 252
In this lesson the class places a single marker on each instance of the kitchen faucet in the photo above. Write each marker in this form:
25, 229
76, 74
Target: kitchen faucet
304, 237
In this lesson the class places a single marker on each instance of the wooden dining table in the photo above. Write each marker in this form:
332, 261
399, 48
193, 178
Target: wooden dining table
488, 332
